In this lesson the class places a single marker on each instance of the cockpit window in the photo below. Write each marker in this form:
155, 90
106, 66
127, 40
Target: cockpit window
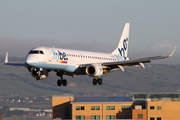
41, 52
36, 52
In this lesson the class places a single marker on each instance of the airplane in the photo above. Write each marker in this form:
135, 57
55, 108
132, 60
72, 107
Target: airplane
41, 60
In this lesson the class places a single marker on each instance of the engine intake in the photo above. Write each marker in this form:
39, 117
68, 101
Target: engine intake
94, 71
39, 74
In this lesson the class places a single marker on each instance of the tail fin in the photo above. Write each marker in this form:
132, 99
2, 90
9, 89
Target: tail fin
122, 48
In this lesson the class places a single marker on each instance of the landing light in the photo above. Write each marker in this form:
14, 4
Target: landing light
76, 66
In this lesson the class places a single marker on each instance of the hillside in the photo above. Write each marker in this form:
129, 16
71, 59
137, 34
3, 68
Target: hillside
155, 78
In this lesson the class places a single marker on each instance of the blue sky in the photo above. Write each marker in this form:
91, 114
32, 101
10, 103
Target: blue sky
91, 25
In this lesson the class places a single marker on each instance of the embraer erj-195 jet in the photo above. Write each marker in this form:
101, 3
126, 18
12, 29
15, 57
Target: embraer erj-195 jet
41, 60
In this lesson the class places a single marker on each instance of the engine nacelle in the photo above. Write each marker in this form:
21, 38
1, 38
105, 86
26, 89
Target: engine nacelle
94, 71
39, 74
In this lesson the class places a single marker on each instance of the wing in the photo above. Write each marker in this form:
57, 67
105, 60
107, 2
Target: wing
122, 64
13, 64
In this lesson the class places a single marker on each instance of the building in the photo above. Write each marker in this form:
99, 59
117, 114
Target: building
142, 106
61, 107
158, 106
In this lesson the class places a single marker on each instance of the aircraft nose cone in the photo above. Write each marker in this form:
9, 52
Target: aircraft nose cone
29, 60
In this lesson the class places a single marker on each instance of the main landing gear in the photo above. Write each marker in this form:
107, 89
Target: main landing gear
97, 80
61, 81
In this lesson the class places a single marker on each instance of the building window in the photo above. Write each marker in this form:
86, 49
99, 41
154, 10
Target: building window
92, 117
123, 107
152, 107
140, 116
80, 117
128, 117
107, 107
95, 117
152, 118
67, 111
77, 108
158, 107
82, 107
110, 116
158, 118
97, 107
125, 116
112, 107
92, 107
128, 107
107, 116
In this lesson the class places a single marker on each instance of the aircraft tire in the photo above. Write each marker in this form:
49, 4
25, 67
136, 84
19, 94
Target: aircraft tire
59, 82
94, 81
64, 82
100, 81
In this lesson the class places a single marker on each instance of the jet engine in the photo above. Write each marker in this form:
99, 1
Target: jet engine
36, 73
94, 71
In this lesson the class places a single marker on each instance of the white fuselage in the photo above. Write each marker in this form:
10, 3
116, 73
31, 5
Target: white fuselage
65, 59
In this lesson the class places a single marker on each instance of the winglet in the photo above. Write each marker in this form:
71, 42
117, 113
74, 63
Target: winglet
172, 52
6, 58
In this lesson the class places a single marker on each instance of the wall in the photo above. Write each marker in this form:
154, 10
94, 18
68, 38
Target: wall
61, 107
118, 112
135, 113
169, 110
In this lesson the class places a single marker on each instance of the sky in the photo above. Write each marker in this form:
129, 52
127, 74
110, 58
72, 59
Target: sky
91, 25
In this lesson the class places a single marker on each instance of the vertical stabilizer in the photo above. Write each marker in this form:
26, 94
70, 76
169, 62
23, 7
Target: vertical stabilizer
122, 48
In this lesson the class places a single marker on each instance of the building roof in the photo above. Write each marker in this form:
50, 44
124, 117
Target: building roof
167, 96
62, 96
165, 93
101, 99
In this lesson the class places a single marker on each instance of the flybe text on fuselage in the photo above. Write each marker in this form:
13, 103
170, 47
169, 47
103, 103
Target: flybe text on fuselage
60, 56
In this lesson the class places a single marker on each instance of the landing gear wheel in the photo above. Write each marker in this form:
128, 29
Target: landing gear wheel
64, 82
100, 81
59, 82
94, 81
